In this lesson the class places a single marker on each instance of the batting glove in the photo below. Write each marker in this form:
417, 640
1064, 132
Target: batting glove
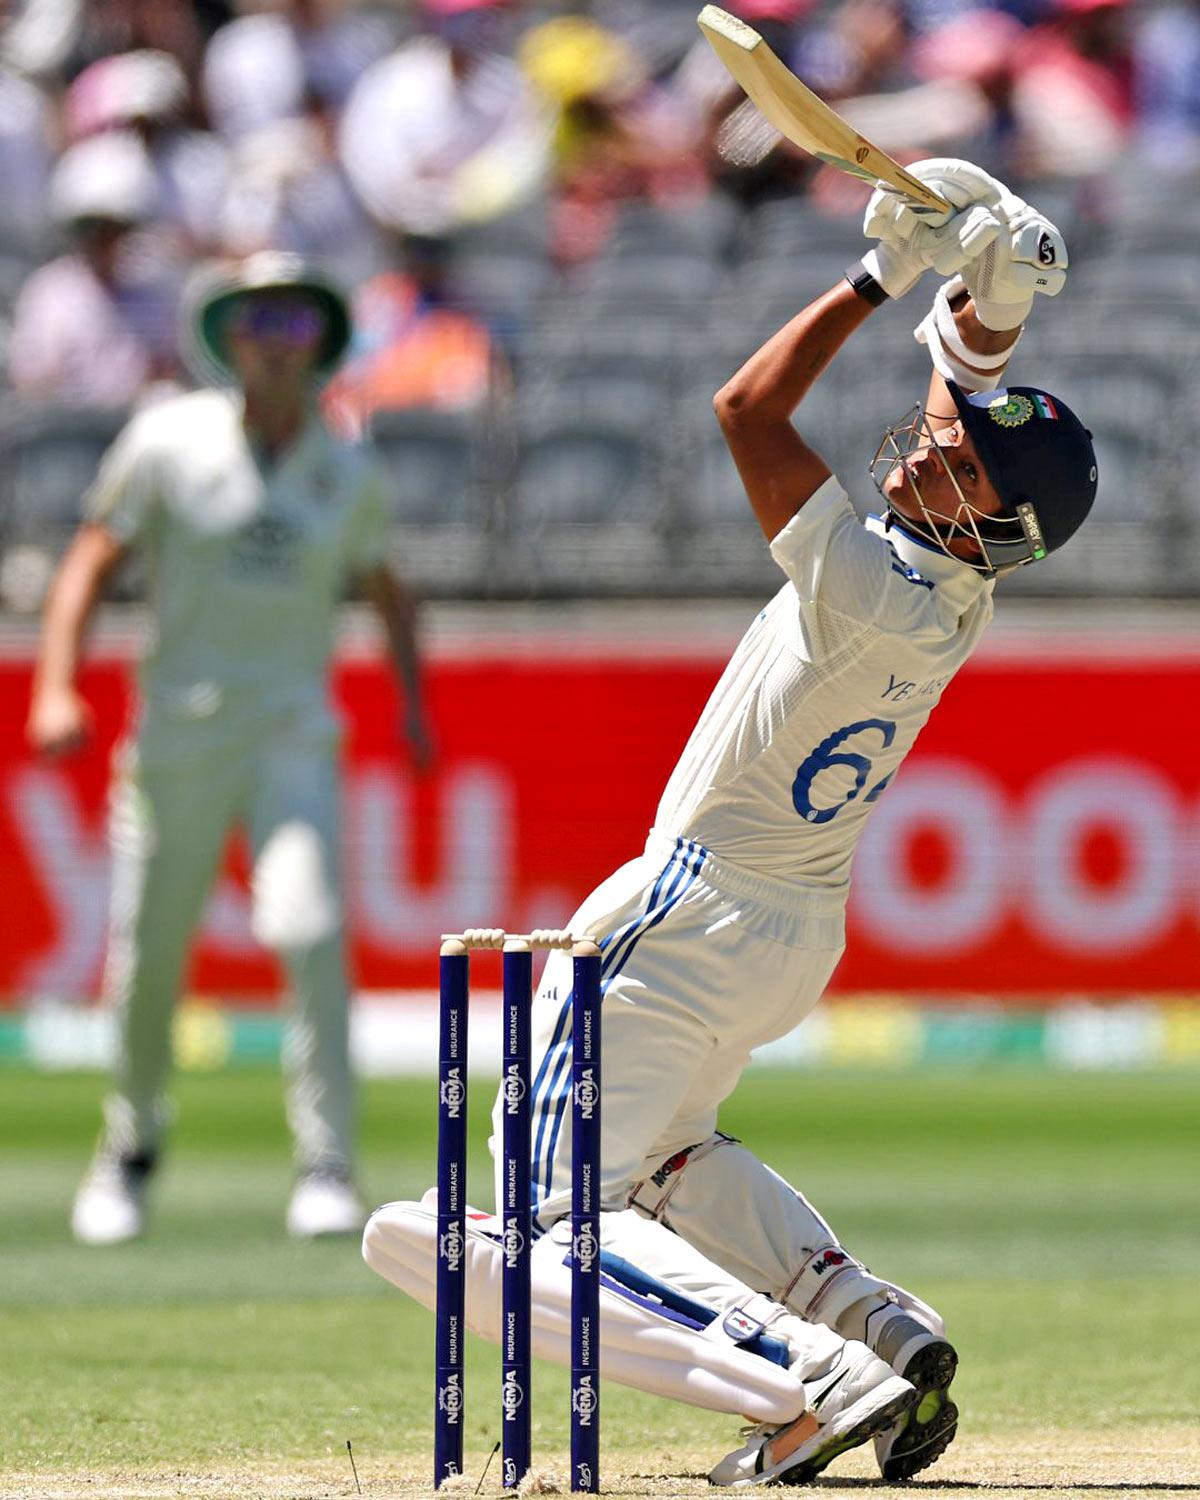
915, 240
1029, 256
960, 183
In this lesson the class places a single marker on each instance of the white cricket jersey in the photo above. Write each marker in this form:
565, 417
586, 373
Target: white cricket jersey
247, 560
823, 698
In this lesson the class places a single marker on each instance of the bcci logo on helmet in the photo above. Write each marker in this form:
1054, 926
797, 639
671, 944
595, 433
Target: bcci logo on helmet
452, 1093
514, 1088
584, 1249
587, 1095
512, 1394
1011, 410
513, 1242
450, 1399
451, 1247
583, 1401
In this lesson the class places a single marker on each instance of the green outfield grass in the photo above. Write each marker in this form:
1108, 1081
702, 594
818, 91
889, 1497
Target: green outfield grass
1054, 1219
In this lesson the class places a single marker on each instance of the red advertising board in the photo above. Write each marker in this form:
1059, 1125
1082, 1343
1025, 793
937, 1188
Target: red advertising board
1042, 839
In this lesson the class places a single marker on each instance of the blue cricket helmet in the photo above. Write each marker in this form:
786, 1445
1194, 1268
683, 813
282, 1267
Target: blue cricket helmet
1040, 458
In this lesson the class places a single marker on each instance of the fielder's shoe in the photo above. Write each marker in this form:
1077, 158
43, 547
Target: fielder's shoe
325, 1203
925, 1432
859, 1397
110, 1206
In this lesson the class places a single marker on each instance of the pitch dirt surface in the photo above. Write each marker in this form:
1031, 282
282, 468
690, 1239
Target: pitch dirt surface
1055, 1220
1060, 1465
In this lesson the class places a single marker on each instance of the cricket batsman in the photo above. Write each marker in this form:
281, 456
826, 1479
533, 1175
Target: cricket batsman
252, 517
724, 1287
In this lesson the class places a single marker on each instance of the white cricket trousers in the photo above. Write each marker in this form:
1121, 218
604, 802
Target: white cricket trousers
695, 974
702, 962
175, 798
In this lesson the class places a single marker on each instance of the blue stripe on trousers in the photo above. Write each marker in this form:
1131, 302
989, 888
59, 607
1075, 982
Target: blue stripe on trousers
557, 1052
557, 1097
556, 1092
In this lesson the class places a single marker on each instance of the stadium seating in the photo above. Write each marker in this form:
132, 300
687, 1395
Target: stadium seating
437, 463
50, 455
48, 458
585, 511
603, 470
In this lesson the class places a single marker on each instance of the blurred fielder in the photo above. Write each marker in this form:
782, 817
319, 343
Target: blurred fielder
725, 1287
252, 518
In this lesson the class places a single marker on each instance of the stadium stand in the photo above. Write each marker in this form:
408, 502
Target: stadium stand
621, 290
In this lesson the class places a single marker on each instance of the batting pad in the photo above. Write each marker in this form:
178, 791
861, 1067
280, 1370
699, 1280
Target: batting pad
640, 1346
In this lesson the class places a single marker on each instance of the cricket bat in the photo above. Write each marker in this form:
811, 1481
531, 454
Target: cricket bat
806, 120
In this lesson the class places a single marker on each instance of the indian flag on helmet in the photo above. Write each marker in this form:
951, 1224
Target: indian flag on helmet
1045, 407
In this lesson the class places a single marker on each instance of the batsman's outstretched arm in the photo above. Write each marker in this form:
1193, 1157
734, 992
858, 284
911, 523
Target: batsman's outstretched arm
779, 470
59, 718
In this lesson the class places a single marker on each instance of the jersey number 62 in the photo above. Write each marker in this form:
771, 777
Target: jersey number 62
827, 755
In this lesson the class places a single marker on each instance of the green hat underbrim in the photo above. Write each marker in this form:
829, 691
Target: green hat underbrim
213, 314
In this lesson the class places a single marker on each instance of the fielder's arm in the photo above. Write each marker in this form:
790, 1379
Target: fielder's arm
59, 718
779, 470
396, 606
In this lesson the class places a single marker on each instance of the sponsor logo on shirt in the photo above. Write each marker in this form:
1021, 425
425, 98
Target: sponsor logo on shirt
829, 1260
265, 547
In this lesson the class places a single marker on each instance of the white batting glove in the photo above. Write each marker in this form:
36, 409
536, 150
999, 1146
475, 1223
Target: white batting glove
1028, 257
960, 183
898, 262
915, 240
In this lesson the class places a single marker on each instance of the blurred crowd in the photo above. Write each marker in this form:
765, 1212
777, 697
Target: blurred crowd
140, 136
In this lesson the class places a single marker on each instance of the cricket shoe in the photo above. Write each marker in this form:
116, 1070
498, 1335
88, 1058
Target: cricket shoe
110, 1206
325, 1203
927, 1430
859, 1397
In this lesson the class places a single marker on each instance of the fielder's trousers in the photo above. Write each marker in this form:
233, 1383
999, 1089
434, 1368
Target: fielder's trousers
177, 793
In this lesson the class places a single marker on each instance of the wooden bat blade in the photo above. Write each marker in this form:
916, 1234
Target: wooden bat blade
800, 115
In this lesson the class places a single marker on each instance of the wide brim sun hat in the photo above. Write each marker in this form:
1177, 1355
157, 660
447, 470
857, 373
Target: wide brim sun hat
109, 177
116, 91
216, 290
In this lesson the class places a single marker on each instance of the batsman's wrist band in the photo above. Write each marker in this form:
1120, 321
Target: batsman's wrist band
865, 285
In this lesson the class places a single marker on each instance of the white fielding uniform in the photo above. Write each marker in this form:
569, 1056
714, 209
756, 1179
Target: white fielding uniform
725, 932
247, 562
